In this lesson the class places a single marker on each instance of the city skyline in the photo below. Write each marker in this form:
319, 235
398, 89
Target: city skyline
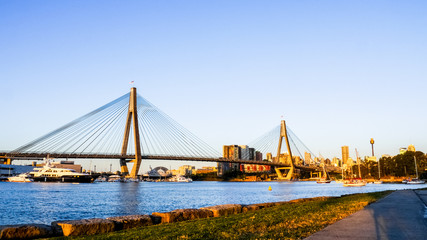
339, 73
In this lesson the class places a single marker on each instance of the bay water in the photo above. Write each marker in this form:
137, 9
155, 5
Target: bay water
43, 203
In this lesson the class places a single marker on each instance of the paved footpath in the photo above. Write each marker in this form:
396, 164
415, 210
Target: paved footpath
400, 215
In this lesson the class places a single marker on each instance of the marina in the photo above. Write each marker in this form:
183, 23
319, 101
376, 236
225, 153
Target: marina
40, 202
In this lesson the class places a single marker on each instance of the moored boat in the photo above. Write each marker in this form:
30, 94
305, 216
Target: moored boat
354, 183
181, 179
115, 178
415, 181
51, 174
23, 177
325, 178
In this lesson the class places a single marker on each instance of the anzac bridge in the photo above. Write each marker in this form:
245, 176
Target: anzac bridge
131, 129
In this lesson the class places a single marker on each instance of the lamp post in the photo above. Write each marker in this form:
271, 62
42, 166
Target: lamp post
372, 144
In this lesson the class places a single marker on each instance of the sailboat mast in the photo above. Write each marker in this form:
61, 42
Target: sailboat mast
416, 169
358, 163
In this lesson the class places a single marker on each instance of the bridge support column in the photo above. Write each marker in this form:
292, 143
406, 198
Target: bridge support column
290, 174
315, 174
123, 166
132, 119
5, 160
285, 175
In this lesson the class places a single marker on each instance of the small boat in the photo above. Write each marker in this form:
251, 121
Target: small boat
23, 177
354, 183
130, 180
378, 182
325, 178
100, 179
181, 179
415, 180
115, 178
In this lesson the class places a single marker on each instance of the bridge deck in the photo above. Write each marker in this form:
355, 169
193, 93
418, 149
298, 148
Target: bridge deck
40, 156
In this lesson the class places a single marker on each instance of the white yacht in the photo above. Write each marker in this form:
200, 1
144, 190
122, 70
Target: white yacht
52, 174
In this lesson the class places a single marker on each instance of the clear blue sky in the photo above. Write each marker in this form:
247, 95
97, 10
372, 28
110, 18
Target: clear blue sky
340, 72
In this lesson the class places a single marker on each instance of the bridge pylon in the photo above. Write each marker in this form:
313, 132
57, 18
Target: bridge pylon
132, 119
285, 175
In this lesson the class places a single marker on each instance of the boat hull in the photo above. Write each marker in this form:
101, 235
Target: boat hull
323, 181
416, 182
75, 179
19, 180
354, 184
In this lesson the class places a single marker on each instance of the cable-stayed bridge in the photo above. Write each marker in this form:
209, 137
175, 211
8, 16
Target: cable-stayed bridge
131, 128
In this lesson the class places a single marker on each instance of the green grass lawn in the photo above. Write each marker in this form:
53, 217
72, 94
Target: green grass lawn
288, 221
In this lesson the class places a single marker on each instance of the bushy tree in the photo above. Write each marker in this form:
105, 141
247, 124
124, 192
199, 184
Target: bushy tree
401, 165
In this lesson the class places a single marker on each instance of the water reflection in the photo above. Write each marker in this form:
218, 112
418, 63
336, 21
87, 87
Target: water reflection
127, 197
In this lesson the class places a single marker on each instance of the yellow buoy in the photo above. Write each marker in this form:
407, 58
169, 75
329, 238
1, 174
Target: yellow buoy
269, 188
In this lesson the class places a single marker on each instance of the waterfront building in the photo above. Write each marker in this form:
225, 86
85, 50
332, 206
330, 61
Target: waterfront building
258, 156
186, 170
230, 152
205, 170
298, 160
157, 172
68, 165
243, 152
173, 172
252, 168
283, 158
316, 160
411, 148
345, 155
336, 162
246, 153
307, 158
402, 150
350, 162
269, 157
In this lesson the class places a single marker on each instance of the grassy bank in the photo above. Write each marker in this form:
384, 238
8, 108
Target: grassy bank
288, 221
